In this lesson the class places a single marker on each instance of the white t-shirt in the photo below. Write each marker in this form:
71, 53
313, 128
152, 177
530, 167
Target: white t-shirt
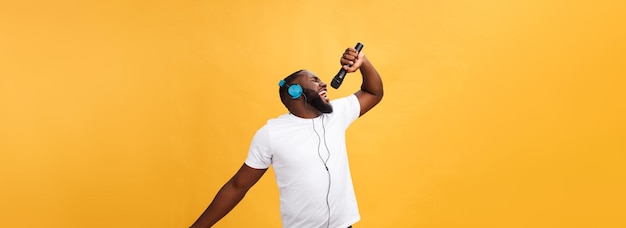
298, 149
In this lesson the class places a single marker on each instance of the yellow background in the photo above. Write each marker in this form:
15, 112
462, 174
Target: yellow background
134, 113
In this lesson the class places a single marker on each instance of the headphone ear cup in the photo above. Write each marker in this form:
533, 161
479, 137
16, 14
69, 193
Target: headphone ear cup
295, 91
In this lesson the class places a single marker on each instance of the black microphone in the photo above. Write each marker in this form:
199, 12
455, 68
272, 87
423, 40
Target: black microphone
342, 72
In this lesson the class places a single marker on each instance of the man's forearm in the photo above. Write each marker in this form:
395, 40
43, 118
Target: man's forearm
225, 200
372, 83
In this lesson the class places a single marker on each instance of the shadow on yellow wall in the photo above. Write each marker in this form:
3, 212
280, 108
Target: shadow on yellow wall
134, 113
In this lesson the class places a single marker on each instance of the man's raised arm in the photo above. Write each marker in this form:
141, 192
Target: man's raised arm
371, 92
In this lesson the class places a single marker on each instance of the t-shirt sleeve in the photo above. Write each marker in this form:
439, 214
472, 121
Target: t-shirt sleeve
354, 108
259, 154
348, 108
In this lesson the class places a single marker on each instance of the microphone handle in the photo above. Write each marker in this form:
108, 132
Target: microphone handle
342, 72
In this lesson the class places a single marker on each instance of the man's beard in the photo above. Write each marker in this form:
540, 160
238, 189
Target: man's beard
314, 99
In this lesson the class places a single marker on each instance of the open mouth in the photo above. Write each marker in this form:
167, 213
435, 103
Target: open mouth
323, 94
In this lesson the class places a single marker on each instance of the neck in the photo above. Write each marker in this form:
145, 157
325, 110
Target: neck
305, 111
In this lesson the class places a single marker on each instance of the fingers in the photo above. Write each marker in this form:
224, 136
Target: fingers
351, 60
349, 57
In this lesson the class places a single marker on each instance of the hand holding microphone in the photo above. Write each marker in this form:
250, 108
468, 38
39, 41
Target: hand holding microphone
348, 59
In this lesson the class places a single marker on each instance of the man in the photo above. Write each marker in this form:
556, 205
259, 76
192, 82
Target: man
307, 149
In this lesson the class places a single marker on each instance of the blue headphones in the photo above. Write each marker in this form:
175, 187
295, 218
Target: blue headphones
294, 90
